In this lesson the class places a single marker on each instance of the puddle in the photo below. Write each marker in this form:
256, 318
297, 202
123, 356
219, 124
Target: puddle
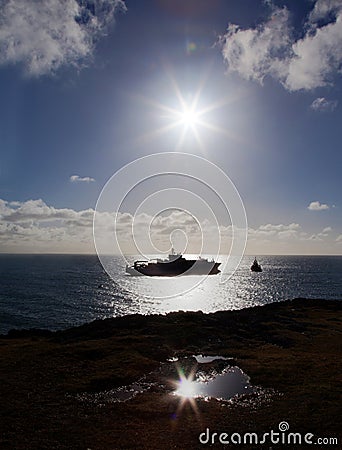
210, 377
207, 359
121, 394
173, 359
230, 383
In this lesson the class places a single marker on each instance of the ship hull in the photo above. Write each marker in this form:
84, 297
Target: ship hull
176, 268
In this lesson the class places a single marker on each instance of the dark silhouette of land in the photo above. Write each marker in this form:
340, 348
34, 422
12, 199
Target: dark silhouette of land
291, 349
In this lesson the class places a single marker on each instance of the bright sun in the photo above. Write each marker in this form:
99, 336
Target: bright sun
188, 117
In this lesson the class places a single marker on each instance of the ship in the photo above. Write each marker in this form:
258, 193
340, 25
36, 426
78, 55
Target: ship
255, 267
174, 265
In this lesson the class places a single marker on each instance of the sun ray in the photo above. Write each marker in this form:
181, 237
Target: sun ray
147, 137
228, 133
185, 391
181, 139
199, 141
190, 116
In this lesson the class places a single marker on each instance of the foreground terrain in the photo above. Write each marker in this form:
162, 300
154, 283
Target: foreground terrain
55, 386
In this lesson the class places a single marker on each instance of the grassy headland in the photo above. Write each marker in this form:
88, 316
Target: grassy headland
291, 349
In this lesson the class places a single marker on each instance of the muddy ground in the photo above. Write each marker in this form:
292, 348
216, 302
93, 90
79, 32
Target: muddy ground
290, 350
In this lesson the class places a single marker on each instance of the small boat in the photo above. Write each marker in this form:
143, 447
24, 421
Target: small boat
175, 265
255, 267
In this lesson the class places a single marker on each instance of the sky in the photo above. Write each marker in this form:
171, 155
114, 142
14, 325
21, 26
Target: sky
89, 86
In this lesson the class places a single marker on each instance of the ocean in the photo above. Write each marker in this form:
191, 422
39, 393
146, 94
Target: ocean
59, 291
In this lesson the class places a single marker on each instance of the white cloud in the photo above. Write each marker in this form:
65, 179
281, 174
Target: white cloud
280, 227
321, 235
77, 179
288, 233
255, 53
317, 206
317, 57
38, 210
324, 8
44, 35
276, 232
323, 105
271, 50
34, 226
291, 239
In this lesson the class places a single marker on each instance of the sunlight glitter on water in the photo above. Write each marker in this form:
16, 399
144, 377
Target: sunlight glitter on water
59, 291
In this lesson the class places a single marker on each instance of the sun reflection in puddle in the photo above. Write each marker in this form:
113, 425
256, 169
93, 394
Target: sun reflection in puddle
190, 378
186, 386
210, 377
231, 382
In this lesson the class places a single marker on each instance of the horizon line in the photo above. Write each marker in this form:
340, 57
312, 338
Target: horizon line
136, 254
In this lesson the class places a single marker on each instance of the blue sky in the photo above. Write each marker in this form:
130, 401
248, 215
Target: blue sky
86, 85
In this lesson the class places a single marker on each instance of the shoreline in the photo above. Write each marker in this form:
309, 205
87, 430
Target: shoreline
47, 332
292, 348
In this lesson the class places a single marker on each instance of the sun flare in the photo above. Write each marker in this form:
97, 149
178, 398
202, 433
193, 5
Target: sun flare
189, 114
186, 387
186, 390
188, 117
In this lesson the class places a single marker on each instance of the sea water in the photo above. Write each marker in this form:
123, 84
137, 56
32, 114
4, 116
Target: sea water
59, 291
